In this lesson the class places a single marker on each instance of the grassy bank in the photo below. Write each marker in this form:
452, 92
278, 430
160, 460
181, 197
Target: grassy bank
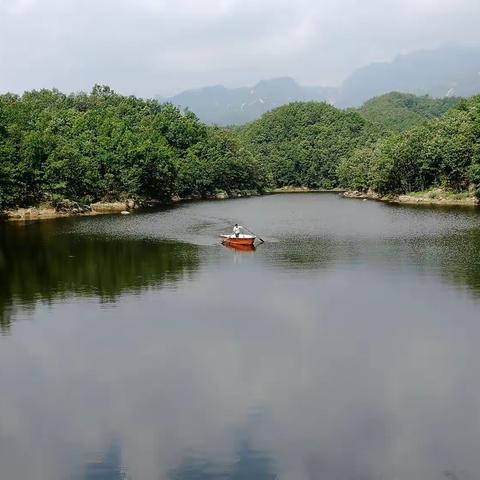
435, 196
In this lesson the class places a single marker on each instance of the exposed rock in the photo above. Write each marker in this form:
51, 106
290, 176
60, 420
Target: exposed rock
68, 206
105, 207
359, 194
434, 197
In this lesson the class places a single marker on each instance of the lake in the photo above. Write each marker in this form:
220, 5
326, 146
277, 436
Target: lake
345, 347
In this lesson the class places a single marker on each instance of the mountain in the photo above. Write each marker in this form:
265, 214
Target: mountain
224, 106
452, 70
400, 111
302, 143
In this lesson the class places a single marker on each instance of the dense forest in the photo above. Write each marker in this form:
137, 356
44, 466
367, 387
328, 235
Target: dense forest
394, 144
397, 111
302, 144
443, 152
104, 146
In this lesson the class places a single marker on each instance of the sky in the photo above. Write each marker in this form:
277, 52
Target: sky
161, 47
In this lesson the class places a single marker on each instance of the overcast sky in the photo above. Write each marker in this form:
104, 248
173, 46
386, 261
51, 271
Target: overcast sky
149, 47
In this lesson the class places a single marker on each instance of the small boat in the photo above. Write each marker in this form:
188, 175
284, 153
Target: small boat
240, 248
242, 239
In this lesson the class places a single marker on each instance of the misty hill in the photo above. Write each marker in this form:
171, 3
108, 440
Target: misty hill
235, 106
446, 71
400, 111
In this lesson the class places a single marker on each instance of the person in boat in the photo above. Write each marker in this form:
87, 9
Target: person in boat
236, 230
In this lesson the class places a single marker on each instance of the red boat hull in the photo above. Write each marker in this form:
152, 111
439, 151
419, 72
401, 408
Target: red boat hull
234, 241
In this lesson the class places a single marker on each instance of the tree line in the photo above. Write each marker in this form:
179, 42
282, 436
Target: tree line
396, 143
443, 152
105, 146
302, 144
398, 112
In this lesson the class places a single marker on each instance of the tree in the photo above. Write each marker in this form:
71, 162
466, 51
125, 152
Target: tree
219, 162
105, 146
442, 152
302, 143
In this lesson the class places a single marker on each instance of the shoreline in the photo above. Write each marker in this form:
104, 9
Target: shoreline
107, 208
48, 213
129, 206
306, 190
431, 198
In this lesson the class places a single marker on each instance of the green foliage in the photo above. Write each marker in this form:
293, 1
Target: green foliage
355, 171
443, 152
106, 146
473, 171
302, 143
398, 112
219, 162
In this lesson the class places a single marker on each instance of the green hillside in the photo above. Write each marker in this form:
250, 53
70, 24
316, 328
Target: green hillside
400, 111
443, 152
104, 146
302, 143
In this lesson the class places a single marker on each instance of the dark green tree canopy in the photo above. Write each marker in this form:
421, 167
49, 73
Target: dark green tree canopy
443, 152
398, 112
107, 146
302, 143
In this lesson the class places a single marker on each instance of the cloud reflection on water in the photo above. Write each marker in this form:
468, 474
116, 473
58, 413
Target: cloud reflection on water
345, 385
349, 352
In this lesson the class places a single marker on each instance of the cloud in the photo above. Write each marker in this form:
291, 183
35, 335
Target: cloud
148, 47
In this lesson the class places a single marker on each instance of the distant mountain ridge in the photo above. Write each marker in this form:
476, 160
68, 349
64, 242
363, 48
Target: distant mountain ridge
448, 71
234, 106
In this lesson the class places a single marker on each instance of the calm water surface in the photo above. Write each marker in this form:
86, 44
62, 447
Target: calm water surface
345, 347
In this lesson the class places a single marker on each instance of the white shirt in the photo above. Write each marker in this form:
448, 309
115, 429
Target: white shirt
236, 229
